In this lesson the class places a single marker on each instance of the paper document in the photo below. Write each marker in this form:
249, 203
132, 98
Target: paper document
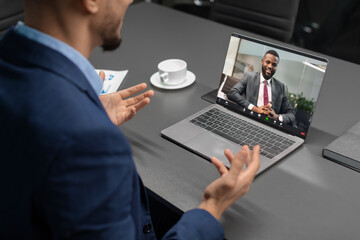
113, 80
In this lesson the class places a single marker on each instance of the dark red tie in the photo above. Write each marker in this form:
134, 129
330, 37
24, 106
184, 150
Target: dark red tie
266, 96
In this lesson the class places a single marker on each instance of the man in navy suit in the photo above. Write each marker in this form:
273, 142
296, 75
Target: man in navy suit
66, 169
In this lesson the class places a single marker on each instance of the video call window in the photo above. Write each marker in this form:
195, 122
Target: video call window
300, 75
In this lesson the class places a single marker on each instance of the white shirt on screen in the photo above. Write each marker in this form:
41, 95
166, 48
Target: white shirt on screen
260, 101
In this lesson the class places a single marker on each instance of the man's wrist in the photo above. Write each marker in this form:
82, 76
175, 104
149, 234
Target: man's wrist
210, 205
251, 106
255, 109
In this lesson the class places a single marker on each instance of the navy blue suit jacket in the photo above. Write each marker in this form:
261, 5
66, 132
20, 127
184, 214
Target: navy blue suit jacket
66, 171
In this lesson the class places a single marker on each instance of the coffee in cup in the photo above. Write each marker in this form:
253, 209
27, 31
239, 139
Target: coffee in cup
172, 71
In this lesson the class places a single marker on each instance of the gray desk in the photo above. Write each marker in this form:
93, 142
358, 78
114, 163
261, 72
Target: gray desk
303, 197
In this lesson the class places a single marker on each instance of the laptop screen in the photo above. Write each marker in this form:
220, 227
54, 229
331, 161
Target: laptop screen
272, 84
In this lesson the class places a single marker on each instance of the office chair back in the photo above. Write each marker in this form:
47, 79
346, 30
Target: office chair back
11, 11
275, 19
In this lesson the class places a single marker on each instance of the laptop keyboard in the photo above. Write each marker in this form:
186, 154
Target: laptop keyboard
242, 132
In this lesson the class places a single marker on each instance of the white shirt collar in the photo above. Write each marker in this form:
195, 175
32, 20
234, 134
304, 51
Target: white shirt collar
73, 55
262, 79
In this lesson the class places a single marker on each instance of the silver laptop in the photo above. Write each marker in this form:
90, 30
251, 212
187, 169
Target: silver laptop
246, 113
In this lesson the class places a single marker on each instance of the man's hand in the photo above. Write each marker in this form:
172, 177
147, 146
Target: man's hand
233, 183
271, 113
119, 107
263, 109
266, 110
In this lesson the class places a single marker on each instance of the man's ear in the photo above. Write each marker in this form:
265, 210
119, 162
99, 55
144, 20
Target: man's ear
91, 6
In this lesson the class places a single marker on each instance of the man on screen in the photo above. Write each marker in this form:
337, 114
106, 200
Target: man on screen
263, 93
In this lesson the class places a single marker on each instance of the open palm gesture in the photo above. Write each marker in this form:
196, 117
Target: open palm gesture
122, 106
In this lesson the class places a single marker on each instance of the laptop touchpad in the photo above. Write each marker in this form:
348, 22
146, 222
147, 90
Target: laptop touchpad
211, 145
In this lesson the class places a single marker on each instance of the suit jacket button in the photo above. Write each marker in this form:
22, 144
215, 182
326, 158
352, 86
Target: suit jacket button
147, 228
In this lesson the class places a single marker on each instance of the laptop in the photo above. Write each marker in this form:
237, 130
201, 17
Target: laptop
232, 122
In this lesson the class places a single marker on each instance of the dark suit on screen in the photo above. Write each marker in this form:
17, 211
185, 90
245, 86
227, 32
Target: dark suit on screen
66, 171
249, 86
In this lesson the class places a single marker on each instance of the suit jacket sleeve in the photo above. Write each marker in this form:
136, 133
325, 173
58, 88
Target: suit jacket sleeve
286, 110
196, 224
236, 93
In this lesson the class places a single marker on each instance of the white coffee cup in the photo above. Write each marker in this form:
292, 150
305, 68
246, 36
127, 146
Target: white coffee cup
172, 71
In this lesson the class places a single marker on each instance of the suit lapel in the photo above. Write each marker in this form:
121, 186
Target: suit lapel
274, 94
256, 88
41, 56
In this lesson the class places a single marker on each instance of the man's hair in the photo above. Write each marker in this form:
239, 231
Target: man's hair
273, 52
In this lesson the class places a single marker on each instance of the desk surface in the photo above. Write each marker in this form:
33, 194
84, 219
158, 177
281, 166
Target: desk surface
303, 197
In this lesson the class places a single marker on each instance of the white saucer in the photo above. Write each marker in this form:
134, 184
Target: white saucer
155, 80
